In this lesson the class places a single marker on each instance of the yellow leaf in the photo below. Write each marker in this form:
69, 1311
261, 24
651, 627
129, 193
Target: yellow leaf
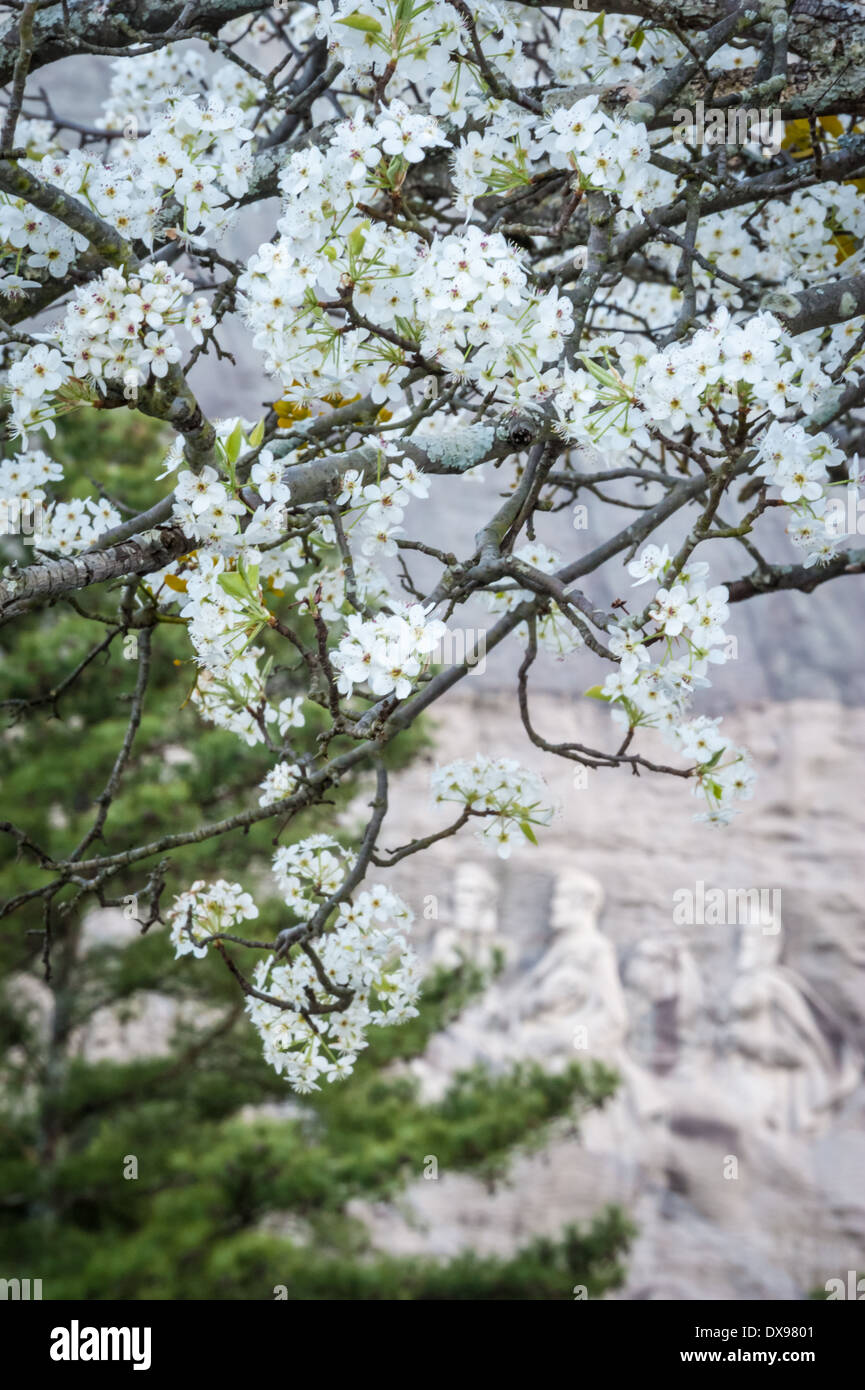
797, 134
287, 412
831, 125
175, 582
337, 399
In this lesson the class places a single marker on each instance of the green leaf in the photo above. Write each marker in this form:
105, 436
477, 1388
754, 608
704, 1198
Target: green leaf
234, 443
355, 241
713, 761
234, 585
257, 435
528, 832
604, 377
365, 23
250, 577
637, 40
595, 692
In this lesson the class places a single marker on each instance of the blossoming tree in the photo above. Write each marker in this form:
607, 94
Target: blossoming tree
492, 243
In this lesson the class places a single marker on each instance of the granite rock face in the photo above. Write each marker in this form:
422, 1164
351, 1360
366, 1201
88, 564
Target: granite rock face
721, 973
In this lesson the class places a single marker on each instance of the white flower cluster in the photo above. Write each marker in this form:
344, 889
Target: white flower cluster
798, 463
424, 37
214, 617
388, 652
798, 240
604, 48
22, 477
205, 910
231, 686
234, 698
371, 976
222, 586
71, 526
365, 953
58, 527
435, 57
279, 783
807, 236
205, 507
376, 509
601, 152
690, 618
753, 366
39, 243
466, 299
310, 870
510, 799
146, 81
328, 589
481, 319
606, 153
210, 509
304, 346
141, 84
182, 173
114, 330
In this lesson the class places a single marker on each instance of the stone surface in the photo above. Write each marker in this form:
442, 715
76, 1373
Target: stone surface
736, 1138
